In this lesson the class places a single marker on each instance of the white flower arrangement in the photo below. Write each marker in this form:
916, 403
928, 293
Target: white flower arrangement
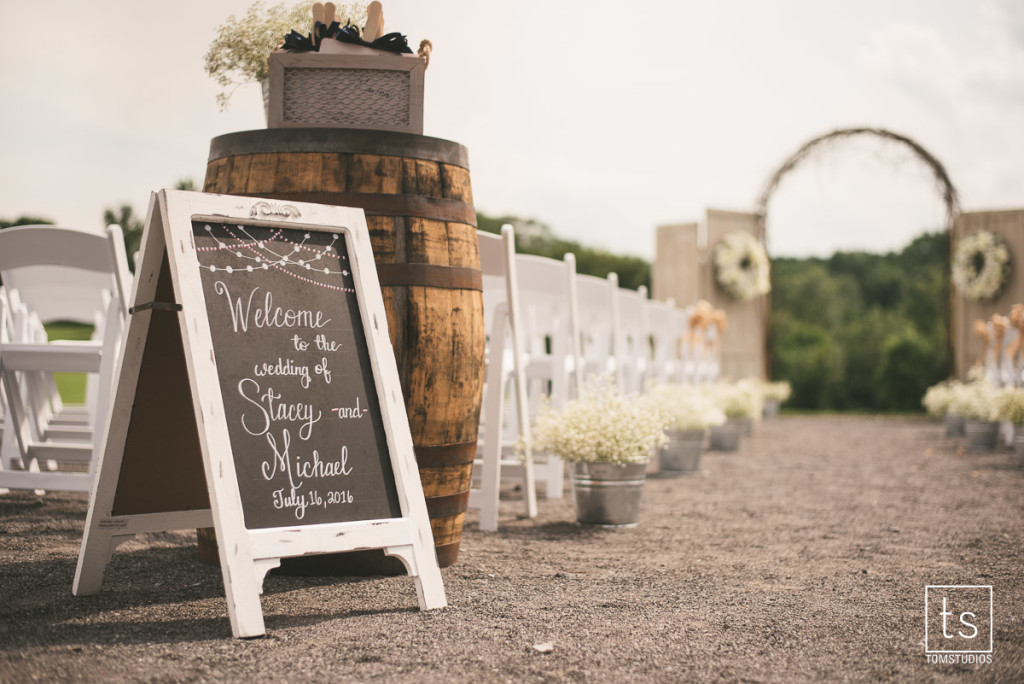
240, 53
777, 391
602, 426
1010, 405
938, 398
741, 266
738, 400
975, 401
684, 408
981, 265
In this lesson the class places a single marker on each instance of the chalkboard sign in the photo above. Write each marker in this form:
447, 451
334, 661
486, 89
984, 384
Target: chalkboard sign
274, 314
302, 409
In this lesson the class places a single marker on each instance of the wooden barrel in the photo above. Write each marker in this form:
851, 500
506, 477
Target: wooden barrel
416, 194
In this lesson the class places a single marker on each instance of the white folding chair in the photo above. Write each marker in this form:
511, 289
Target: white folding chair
666, 332
547, 306
506, 361
632, 338
599, 317
51, 274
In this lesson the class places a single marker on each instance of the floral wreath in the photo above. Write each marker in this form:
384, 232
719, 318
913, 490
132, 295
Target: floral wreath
981, 266
741, 266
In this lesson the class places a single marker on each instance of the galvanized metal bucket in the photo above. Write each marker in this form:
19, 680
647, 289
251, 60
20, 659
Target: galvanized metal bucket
726, 437
954, 425
681, 456
982, 435
608, 494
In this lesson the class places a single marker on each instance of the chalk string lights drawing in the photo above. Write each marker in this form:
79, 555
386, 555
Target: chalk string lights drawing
294, 259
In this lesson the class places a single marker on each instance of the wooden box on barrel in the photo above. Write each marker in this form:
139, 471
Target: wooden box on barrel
376, 92
416, 194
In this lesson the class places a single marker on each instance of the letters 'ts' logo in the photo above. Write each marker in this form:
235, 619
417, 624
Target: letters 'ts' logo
958, 618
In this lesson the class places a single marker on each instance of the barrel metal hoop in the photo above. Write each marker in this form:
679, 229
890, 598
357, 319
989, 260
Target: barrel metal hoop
434, 208
447, 506
339, 141
446, 455
430, 275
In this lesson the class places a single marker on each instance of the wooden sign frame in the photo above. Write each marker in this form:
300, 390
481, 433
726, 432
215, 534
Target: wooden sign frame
165, 436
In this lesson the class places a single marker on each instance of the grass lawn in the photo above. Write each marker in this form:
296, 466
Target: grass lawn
70, 385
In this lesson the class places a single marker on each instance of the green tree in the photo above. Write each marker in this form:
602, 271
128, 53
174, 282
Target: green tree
25, 221
881, 317
535, 237
812, 361
910, 364
131, 226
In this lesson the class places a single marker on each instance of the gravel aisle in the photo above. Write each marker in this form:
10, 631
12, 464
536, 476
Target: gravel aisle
804, 557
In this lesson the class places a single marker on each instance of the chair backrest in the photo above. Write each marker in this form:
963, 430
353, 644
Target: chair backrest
632, 338
597, 301
494, 269
546, 308
62, 273
665, 364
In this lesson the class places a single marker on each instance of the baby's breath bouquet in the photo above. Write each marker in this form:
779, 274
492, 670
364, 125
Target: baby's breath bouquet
1010, 405
975, 401
684, 408
602, 426
241, 51
738, 400
777, 391
937, 398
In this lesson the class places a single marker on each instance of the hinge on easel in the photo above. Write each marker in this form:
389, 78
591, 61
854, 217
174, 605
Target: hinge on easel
155, 306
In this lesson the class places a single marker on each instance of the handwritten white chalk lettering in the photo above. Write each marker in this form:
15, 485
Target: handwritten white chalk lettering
323, 344
322, 369
281, 465
280, 460
285, 367
293, 500
267, 315
345, 412
317, 468
270, 410
299, 343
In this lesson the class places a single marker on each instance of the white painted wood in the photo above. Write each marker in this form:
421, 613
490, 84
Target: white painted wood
55, 273
546, 300
506, 371
246, 555
102, 530
632, 338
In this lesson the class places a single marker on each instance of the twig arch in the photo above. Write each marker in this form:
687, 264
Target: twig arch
942, 180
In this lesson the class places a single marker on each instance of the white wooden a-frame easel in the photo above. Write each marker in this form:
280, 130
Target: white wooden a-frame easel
166, 460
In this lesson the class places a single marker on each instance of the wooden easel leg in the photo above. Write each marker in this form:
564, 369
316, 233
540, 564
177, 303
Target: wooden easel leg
243, 594
97, 548
424, 571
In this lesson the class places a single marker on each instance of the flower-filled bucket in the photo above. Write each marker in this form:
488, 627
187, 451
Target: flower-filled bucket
608, 436
608, 494
681, 456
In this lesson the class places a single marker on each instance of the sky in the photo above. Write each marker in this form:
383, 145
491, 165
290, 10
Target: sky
602, 119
